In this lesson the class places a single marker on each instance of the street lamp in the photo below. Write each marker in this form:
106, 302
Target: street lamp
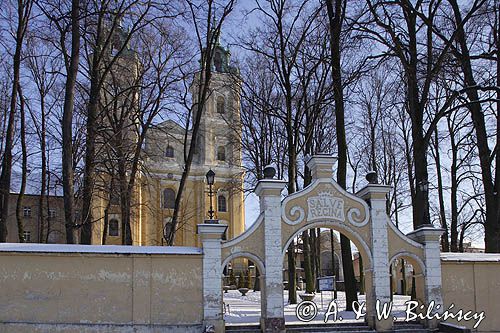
423, 186
210, 181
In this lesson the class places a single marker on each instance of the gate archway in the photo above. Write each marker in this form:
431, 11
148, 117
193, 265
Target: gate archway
361, 216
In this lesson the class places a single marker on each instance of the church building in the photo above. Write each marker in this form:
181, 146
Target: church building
218, 148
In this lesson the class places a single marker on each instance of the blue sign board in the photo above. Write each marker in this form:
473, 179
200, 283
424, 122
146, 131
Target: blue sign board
326, 283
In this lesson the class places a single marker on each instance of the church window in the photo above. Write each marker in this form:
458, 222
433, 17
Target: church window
27, 211
169, 152
52, 213
168, 198
220, 105
221, 153
221, 203
113, 227
27, 236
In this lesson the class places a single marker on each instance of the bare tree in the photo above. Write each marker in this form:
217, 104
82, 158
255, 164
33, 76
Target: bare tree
24, 171
336, 15
207, 35
23, 15
141, 86
107, 40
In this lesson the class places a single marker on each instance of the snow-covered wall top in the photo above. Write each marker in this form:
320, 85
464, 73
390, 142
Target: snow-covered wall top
109, 249
466, 257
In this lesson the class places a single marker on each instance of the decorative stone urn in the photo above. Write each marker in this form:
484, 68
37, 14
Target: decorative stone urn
306, 297
243, 291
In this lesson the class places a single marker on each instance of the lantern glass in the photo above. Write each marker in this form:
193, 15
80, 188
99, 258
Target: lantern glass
210, 177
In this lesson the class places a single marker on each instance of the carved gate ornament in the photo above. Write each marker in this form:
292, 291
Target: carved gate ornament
326, 200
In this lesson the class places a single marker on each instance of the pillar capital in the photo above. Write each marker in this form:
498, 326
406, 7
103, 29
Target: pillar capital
426, 234
271, 187
374, 191
211, 230
321, 165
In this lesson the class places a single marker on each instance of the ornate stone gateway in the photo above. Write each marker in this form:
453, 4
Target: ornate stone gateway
361, 217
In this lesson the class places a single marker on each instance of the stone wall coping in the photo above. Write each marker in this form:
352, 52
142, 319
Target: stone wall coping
470, 257
104, 249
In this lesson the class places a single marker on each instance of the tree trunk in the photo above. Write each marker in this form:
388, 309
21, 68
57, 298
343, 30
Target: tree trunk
43, 180
307, 238
47, 206
307, 262
19, 206
403, 273
23, 13
334, 268
454, 190
89, 170
125, 200
256, 284
205, 76
67, 123
335, 16
496, 188
492, 225
445, 244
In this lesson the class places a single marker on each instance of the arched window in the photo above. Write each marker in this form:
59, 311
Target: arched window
168, 198
169, 152
221, 203
221, 105
221, 153
113, 227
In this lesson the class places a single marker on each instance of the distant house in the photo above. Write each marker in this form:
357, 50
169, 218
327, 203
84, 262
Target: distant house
39, 226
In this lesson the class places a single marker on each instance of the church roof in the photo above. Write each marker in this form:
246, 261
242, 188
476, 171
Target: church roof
170, 125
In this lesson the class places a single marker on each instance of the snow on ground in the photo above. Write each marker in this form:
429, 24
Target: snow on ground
246, 309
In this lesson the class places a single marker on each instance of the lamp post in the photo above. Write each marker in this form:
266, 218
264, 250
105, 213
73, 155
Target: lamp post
210, 181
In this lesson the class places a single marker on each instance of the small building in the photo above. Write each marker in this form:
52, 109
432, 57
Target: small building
42, 220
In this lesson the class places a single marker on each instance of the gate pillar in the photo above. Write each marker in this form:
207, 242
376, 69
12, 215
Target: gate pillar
375, 195
429, 236
211, 236
269, 192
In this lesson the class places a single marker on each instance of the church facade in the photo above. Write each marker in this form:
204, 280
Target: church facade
218, 148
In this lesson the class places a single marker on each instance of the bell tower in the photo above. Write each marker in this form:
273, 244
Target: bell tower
219, 145
220, 126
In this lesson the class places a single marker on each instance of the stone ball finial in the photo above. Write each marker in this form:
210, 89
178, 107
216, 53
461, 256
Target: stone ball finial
269, 172
372, 177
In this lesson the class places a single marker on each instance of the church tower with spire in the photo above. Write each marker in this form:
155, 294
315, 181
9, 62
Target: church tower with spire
218, 148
